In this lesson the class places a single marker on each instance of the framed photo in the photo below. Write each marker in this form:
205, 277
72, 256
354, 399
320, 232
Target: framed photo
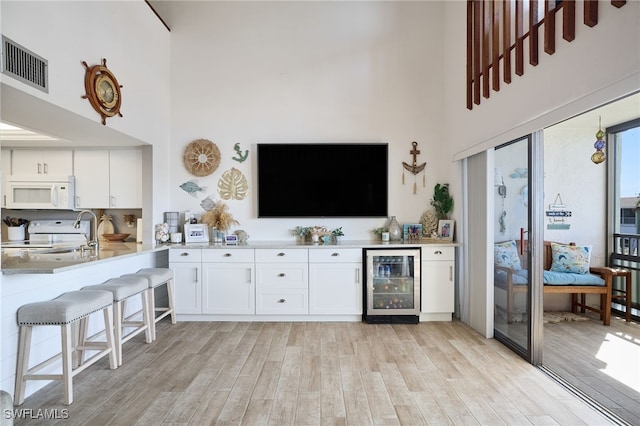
445, 230
196, 233
411, 231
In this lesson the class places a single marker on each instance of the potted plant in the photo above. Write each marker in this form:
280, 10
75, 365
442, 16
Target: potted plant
442, 201
219, 219
302, 232
337, 234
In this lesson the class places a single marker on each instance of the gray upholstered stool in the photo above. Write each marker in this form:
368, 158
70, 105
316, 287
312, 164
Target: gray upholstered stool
64, 311
157, 277
123, 288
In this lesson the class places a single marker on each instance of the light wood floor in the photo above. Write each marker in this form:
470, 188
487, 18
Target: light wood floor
316, 373
603, 362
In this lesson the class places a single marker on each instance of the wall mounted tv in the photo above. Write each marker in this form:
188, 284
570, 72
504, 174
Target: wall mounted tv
322, 180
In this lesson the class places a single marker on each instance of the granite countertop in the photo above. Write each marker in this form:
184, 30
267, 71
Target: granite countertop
284, 244
45, 262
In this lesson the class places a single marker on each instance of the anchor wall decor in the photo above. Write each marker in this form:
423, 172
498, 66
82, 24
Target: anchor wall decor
414, 168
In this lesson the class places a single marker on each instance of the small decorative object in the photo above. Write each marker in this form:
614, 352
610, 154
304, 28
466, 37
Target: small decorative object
442, 201
558, 214
380, 231
233, 185
102, 90
520, 173
414, 168
445, 230
191, 187
429, 222
129, 220
411, 231
162, 232
318, 232
105, 227
201, 157
327, 239
208, 203
241, 156
384, 236
599, 156
219, 217
301, 232
115, 237
337, 234
394, 229
231, 239
242, 236
196, 233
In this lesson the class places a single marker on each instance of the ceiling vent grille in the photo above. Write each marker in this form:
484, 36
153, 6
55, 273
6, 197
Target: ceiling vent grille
24, 65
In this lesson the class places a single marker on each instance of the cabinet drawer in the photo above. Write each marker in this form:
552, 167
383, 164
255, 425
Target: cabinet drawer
227, 255
438, 253
185, 255
288, 302
282, 255
282, 275
335, 255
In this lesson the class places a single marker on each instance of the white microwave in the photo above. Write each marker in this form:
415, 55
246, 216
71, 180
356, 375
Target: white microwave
40, 192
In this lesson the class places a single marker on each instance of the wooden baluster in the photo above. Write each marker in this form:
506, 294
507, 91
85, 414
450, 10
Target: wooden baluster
469, 54
495, 41
569, 20
591, 13
477, 27
519, 37
533, 32
486, 47
506, 40
549, 27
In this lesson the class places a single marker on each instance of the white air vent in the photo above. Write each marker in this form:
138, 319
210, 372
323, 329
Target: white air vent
24, 65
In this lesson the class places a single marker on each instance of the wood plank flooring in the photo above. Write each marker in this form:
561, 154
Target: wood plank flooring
236, 373
603, 362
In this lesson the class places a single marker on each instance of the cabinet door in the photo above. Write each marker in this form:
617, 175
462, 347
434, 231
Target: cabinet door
6, 171
335, 288
38, 162
125, 178
187, 287
91, 169
438, 292
228, 288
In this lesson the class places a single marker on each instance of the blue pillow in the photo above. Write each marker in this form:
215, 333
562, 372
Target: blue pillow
506, 254
566, 258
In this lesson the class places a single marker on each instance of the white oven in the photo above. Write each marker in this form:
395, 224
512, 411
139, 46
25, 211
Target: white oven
39, 192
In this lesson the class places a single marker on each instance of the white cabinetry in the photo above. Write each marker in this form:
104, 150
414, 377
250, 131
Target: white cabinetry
282, 281
108, 178
5, 155
54, 162
438, 283
228, 281
187, 269
335, 281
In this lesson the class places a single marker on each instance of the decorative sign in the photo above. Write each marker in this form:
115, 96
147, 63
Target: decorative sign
558, 213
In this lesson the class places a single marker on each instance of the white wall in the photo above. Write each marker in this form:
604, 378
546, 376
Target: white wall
136, 46
250, 72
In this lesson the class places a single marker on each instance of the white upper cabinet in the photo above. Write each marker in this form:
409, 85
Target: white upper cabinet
108, 178
53, 162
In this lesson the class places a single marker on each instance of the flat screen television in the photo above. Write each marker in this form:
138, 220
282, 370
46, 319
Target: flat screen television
322, 180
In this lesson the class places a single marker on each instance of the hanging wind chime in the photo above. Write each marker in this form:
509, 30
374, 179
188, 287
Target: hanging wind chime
599, 156
414, 168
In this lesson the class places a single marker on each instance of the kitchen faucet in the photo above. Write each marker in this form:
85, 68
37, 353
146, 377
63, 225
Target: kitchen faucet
76, 225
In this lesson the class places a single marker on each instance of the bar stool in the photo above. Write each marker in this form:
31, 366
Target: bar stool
64, 311
123, 288
155, 278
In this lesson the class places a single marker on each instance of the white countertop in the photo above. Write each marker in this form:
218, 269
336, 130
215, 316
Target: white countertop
307, 244
41, 262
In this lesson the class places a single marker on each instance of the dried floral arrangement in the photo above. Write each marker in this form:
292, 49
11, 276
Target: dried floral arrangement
219, 217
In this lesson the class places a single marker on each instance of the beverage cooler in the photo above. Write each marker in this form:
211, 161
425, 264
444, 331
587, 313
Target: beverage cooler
392, 285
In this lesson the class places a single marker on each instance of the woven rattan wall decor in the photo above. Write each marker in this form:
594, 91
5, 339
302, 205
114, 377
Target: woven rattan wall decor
201, 157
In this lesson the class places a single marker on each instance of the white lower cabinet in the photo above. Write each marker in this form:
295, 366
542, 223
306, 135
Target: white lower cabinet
228, 277
438, 283
187, 270
282, 282
335, 281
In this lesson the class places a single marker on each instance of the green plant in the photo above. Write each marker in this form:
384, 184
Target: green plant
379, 231
302, 231
442, 201
337, 232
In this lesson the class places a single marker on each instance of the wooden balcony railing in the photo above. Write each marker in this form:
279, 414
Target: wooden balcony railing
496, 28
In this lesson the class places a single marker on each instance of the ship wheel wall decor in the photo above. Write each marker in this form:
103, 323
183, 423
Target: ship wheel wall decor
102, 90
201, 157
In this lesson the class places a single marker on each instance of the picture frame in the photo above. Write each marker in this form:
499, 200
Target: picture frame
445, 229
411, 231
196, 233
231, 239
